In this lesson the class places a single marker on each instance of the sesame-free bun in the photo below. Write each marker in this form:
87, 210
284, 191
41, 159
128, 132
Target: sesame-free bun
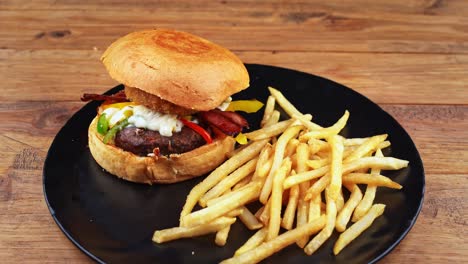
176, 66
170, 169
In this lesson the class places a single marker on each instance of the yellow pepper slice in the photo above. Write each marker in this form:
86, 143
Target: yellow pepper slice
248, 106
241, 139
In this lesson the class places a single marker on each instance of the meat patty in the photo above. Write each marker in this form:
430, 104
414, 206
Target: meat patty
142, 141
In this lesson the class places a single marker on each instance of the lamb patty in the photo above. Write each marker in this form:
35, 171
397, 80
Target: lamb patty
142, 141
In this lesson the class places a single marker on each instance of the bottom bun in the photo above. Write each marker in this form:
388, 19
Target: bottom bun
170, 169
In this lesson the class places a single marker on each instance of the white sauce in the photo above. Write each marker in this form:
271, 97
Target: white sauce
165, 124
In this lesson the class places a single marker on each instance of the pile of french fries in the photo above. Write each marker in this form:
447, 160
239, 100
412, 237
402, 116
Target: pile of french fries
297, 170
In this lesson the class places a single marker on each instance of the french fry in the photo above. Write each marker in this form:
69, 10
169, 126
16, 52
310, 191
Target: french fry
276, 199
326, 232
263, 163
316, 145
252, 242
382, 163
291, 147
336, 167
345, 214
366, 178
318, 187
249, 220
315, 208
315, 164
368, 145
259, 212
290, 212
269, 108
229, 181
274, 119
161, 236
229, 194
265, 215
327, 132
219, 173
269, 131
307, 123
222, 235
287, 106
305, 176
243, 182
235, 212
278, 155
369, 195
238, 198
339, 201
302, 206
267, 249
357, 228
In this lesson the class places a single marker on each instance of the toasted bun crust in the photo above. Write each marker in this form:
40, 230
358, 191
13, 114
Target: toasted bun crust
176, 66
175, 168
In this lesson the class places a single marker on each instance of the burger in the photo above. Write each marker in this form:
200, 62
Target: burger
169, 123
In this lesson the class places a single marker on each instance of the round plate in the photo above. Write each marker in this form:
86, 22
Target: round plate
112, 220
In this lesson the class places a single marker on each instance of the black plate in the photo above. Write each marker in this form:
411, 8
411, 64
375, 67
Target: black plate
112, 220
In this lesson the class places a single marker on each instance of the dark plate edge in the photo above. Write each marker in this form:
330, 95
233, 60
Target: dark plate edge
119, 86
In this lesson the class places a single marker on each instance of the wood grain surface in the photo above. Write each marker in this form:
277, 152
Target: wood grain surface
409, 56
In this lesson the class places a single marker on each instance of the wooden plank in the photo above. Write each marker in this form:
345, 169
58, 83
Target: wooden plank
384, 78
294, 27
431, 7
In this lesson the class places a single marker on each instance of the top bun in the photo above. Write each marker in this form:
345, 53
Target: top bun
176, 66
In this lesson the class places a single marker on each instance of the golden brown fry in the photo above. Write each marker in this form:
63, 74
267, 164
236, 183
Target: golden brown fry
357, 228
384, 163
269, 108
219, 173
316, 145
366, 178
336, 167
265, 216
235, 212
339, 201
238, 198
259, 211
269, 131
263, 163
243, 182
274, 118
290, 212
291, 147
222, 235
363, 207
318, 187
169, 234
252, 242
267, 249
229, 181
249, 220
327, 132
315, 208
345, 214
307, 123
305, 176
315, 164
289, 108
278, 155
326, 232
276, 199
369, 145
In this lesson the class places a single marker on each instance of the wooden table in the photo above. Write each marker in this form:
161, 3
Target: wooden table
410, 57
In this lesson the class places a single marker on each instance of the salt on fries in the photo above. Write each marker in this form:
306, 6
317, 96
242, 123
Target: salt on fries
288, 167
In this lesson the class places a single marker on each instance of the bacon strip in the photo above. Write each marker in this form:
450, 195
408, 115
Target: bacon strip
228, 124
234, 117
117, 97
